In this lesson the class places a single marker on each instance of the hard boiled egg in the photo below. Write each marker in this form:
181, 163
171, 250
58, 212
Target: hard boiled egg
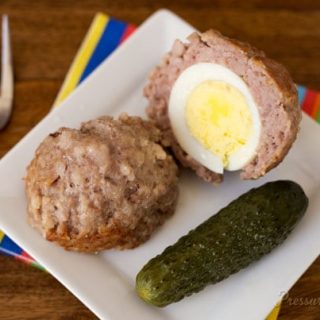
214, 117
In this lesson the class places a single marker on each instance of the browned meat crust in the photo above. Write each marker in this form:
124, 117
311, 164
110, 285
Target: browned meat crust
269, 83
109, 184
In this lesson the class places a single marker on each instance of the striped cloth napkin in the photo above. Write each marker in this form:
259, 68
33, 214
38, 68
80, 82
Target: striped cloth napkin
103, 37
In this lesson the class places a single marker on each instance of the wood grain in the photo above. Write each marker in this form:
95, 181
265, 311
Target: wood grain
46, 35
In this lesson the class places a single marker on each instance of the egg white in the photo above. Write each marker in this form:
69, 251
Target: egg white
188, 80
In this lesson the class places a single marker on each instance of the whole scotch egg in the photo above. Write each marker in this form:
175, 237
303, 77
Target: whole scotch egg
223, 106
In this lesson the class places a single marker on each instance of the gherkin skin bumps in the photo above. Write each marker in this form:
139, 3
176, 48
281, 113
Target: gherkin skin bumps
244, 231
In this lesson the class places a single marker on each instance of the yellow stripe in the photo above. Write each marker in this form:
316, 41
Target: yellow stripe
274, 313
84, 54
1, 235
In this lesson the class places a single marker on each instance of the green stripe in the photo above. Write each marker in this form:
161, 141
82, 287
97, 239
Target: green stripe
37, 265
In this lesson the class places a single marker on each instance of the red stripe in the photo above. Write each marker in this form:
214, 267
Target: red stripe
23, 256
129, 30
26, 255
308, 101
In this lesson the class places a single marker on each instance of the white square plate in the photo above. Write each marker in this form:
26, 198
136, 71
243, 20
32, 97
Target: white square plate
105, 282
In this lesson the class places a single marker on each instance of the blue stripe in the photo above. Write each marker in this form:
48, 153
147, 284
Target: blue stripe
106, 45
10, 246
301, 93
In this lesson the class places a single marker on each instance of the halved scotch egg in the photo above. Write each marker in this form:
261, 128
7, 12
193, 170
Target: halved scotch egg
214, 117
223, 106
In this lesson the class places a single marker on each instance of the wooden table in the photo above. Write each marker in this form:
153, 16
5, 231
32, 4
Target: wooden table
46, 35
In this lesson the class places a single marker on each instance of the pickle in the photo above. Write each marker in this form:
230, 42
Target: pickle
239, 234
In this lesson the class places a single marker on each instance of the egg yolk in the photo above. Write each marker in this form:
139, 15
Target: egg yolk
218, 116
